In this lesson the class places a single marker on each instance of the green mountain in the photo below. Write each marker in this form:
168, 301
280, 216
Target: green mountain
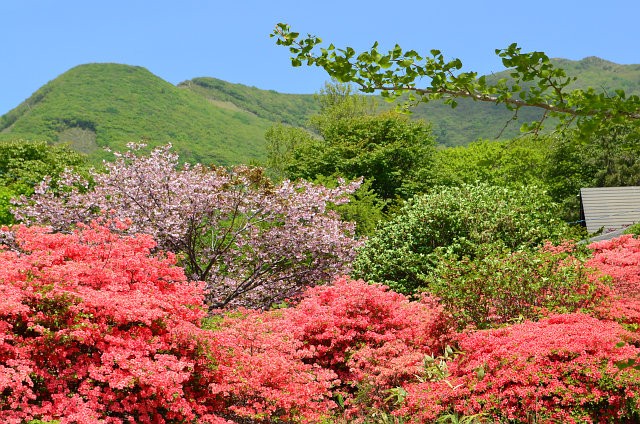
108, 105
212, 121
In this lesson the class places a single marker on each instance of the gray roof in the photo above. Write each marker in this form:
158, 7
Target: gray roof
610, 208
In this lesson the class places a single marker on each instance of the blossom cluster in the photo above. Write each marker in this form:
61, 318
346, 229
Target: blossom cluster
372, 338
93, 327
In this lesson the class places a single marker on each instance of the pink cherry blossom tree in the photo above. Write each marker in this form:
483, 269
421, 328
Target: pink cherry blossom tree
253, 243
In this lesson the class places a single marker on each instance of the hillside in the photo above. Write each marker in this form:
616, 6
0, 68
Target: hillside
97, 105
468, 122
291, 109
213, 121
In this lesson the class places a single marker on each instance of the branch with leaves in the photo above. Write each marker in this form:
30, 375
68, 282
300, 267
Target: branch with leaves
535, 81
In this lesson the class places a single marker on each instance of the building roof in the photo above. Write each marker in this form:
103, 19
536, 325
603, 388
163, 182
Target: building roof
610, 208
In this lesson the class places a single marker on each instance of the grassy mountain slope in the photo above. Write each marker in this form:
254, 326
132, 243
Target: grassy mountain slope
213, 121
97, 105
291, 109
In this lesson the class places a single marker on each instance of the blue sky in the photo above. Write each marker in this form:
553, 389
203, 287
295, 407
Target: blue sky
182, 39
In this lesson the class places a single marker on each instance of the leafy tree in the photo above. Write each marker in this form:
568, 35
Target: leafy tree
458, 221
252, 242
282, 140
390, 152
387, 149
23, 164
501, 163
535, 82
353, 141
602, 159
338, 101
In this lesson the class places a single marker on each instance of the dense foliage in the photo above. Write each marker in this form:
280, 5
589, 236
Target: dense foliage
502, 287
353, 141
458, 221
387, 149
350, 139
560, 163
23, 164
253, 243
511, 163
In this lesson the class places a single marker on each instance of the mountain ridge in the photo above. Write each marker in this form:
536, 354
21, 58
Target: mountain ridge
97, 105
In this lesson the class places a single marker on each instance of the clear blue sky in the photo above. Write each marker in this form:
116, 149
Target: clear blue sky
182, 39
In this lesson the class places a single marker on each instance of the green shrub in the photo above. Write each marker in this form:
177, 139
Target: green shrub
458, 222
506, 287
633, 229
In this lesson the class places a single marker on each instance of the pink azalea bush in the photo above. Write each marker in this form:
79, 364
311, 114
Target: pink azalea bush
253, 243
262, 374
619, 258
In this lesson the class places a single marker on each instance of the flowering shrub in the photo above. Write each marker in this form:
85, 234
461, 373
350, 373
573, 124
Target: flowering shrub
254, 244
619, 258
372, 338
95, 328
261, 372
499, 287
560, 369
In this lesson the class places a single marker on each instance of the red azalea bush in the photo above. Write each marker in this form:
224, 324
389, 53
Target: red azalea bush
620, 259
560, 369
261, 373
95, 328
373, 339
